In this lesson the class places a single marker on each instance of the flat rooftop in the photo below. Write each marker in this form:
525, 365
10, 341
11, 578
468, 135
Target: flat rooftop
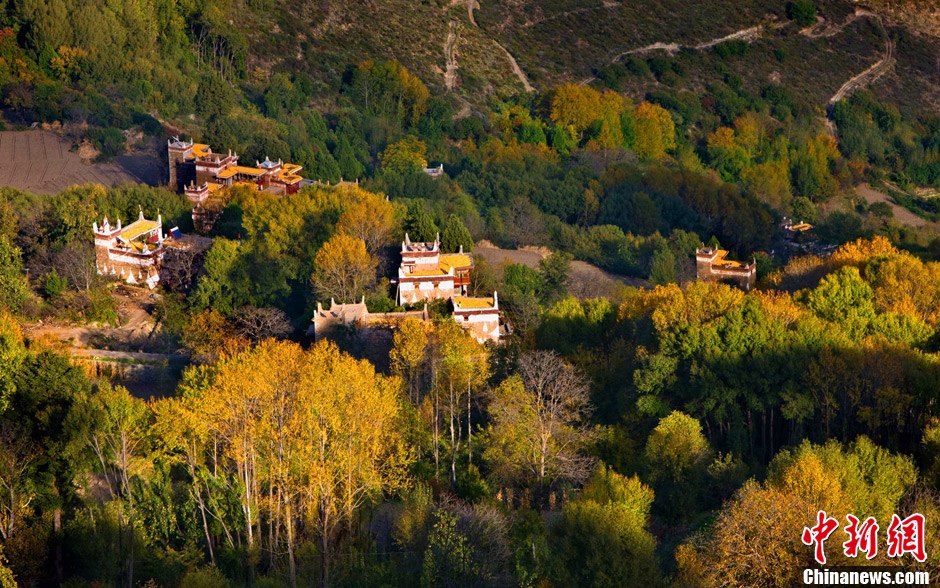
472, 303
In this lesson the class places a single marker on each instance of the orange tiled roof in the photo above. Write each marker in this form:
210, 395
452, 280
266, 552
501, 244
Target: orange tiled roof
470, 303
249, 171
456, 261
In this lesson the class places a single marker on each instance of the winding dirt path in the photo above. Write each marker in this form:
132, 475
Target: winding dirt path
516, 69
520, 75
825, 29
747, 35
872, 73
450, 57
877, 69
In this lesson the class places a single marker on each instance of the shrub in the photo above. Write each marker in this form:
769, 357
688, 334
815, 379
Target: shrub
803, 12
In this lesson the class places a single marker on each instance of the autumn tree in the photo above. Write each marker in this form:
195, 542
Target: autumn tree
655, 131
353, 450
770, 182
602, 537
772, 521
904, 284
208, 334
575, 107
343, 268
459, 367
387, 88
408, 355
405, 156
182, 434
861, 479
305, 437
587, 114
367, 216
539, 423
116, 426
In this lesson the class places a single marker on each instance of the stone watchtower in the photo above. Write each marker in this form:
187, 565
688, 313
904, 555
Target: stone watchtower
178, 152
711, 265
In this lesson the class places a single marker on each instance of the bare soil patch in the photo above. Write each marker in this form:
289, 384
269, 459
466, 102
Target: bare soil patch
901, 214
135, 334
584, 280
42, 162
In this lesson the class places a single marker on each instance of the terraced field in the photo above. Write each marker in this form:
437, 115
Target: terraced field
42, 162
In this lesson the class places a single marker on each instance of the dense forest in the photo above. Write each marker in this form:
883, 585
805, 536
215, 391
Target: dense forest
681, 433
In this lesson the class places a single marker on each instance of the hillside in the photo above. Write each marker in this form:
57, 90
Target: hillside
463, 292
557, 41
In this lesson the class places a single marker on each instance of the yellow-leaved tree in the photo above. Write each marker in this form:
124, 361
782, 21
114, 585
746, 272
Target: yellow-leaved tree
755, 541
343, 268
367, 216
352, 449
655, 131
409, 351
405, 156
303, 439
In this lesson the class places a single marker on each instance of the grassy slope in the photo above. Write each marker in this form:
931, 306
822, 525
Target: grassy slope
563, 40
556, 41
325, 36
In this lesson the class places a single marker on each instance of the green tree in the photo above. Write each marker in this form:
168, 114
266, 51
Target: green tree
448, 559
810, 168
219, 286
350, 167
215, 98
419, 225
54, 285
553, 276
455, 236
117, 437
803, 12
12, 354
663, 266
14, 290
677, 445
407, 156
539, 423
601, 539
844, 298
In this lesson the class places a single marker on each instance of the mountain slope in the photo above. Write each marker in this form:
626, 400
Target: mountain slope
498, 48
